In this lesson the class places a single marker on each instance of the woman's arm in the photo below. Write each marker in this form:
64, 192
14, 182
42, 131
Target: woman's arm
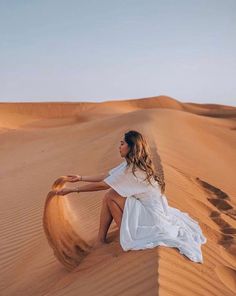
91, 187
84, 188
97, 178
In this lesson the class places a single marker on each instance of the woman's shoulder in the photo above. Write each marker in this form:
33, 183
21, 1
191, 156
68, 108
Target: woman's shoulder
119, 167
141, 176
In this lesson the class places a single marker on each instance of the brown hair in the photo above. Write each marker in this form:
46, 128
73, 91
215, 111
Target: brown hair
140, 156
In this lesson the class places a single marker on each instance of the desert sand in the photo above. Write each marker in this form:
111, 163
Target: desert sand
40, 142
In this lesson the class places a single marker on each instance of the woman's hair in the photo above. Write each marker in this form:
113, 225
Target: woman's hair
140, 156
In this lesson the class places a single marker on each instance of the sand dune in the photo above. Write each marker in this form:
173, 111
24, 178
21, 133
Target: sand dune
43, 141
20, 114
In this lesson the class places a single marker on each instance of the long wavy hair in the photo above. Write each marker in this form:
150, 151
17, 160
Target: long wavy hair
140, 156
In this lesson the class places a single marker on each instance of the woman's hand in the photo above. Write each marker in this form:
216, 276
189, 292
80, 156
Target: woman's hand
73, 178
64, 191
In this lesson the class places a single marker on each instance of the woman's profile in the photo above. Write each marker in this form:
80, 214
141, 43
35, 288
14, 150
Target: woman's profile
136, 202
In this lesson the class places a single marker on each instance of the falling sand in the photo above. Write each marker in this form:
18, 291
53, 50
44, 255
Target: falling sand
67, 245
47, 240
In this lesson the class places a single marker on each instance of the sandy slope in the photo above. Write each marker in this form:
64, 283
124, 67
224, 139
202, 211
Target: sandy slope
40, 142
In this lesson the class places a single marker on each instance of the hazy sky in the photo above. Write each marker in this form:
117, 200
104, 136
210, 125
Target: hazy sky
53, 50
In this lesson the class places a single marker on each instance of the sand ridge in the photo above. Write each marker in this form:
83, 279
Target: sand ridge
42, 143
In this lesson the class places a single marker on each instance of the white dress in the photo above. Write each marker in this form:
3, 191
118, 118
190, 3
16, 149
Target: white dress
148, 221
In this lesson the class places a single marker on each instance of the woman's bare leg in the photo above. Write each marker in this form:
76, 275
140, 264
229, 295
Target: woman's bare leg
105, 221
112, 207
116, 211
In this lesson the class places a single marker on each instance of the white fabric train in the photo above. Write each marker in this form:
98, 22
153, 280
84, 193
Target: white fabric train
148, 221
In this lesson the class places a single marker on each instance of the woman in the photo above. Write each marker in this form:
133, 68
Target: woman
136, 202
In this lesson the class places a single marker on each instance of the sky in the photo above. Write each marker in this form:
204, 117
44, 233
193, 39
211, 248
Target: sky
53, 50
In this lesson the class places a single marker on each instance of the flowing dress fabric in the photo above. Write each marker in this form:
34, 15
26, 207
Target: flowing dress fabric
148, 221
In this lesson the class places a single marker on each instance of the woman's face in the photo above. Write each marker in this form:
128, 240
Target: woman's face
124, 148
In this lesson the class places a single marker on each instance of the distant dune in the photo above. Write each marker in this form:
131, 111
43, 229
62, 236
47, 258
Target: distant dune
14, 115
43, 141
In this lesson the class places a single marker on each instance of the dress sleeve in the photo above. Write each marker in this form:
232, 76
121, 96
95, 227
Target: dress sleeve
117, 168
124, 182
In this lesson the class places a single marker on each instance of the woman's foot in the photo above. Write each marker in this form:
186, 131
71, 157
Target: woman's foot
99, 243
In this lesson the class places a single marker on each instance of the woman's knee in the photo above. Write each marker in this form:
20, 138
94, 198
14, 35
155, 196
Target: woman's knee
108, 196
112, 199
112, 196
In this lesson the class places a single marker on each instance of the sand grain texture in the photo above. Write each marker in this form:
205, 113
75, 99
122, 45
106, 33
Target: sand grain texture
41, 142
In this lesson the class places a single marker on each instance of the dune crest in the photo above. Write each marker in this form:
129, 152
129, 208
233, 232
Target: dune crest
39, 142
15, 115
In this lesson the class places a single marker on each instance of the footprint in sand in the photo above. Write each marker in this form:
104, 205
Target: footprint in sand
221, 201
218, 198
